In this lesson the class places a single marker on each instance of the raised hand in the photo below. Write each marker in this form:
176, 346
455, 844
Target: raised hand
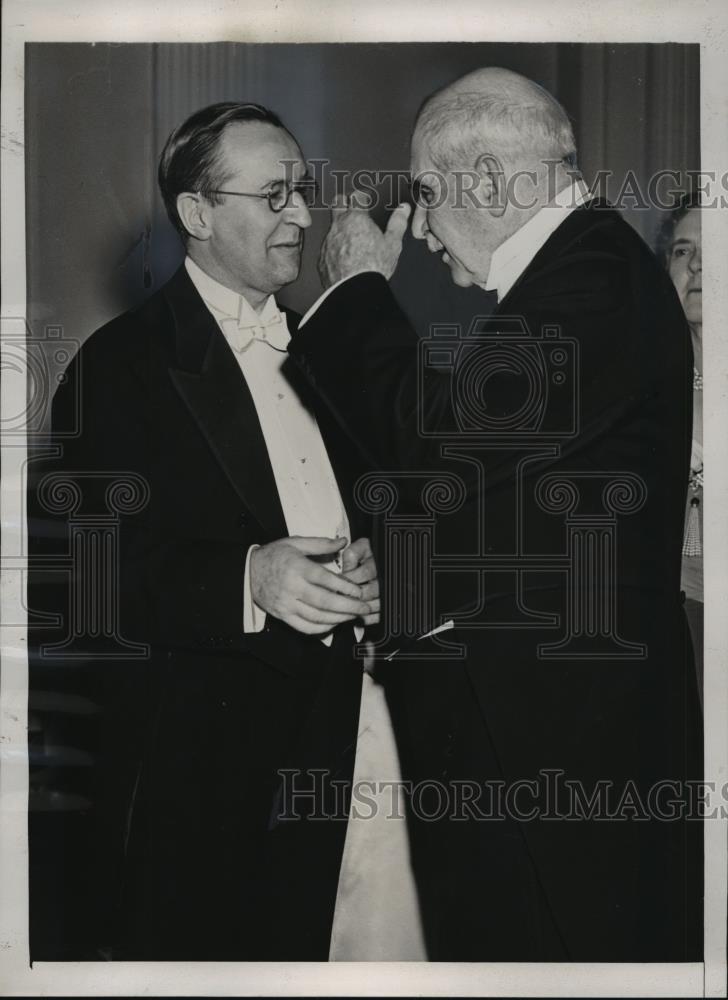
358, 566
289, 583
356, 243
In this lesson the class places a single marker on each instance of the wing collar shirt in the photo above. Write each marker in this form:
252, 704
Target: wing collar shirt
305, 480
513, 256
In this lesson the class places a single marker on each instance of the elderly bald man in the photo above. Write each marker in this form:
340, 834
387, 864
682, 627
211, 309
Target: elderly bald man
576, 696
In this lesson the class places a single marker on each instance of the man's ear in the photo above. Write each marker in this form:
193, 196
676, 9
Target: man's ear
493, 183
194, 211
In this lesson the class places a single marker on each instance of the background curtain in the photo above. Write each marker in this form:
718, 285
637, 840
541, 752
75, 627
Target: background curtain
98, 115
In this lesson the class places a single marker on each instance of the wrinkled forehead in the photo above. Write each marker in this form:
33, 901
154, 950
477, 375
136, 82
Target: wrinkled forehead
259, 153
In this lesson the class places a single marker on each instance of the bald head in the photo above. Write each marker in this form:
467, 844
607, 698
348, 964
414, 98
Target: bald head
497, 111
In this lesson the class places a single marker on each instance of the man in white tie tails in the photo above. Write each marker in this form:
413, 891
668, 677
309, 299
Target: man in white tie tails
246, 574
537, 684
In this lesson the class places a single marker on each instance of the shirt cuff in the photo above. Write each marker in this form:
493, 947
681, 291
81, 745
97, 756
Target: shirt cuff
328, 292
358, 635
253, 616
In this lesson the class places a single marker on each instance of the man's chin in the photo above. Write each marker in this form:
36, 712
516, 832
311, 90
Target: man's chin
285, 273
459, 275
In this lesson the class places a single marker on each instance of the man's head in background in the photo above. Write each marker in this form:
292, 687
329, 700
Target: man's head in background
234, 183
488, 151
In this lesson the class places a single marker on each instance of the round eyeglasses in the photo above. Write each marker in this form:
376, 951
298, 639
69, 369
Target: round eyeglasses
279, 196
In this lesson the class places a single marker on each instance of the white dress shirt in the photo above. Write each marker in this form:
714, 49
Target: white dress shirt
513, 256
306, 484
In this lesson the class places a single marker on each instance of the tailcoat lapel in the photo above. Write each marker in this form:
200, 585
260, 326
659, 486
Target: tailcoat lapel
209, 381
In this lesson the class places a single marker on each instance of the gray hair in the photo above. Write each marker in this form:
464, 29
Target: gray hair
460, 125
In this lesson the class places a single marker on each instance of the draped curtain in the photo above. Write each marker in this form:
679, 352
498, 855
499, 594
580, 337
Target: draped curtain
98, 115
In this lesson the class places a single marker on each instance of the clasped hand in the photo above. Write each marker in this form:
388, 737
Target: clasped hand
289, 581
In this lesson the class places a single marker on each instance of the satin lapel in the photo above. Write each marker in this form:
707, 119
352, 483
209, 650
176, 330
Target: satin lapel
210, 382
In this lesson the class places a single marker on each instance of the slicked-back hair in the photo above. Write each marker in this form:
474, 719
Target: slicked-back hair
190, 159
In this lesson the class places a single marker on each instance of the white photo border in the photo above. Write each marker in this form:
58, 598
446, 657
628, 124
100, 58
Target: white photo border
346, 21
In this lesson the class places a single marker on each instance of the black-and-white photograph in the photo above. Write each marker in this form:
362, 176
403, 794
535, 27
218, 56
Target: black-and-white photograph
360, 469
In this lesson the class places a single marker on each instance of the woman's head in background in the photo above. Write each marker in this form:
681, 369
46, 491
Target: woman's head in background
680, 247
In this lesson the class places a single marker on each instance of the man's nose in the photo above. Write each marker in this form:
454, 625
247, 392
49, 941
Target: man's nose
297, 211
419, 223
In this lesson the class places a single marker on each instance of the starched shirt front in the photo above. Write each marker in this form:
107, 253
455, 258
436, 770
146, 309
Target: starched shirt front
307, 487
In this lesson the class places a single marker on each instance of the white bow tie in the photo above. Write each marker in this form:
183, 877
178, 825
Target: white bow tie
272, 331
